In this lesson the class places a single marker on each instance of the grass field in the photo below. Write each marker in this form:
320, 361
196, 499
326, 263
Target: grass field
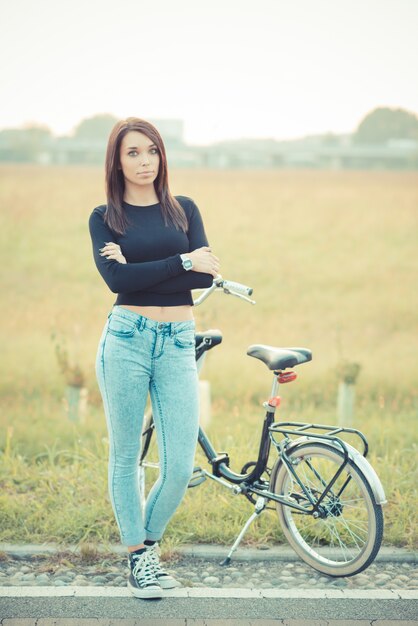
332, 260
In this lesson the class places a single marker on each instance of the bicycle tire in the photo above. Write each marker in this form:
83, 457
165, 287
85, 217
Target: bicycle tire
347, 540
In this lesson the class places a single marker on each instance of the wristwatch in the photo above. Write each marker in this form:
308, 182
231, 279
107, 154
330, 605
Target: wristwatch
186, 262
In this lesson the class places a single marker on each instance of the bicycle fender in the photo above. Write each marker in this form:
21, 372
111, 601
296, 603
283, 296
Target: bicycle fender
357, 458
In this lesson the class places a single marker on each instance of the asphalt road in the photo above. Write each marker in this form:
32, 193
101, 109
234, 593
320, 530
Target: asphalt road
278, 607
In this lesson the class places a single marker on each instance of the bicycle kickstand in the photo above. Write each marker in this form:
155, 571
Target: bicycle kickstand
260, 505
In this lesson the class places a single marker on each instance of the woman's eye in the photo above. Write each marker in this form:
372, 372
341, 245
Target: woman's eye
134, 152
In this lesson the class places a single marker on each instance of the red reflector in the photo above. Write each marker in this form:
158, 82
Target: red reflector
275, 401
287, 377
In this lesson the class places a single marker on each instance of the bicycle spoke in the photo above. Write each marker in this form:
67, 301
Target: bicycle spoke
352, 535
336, 535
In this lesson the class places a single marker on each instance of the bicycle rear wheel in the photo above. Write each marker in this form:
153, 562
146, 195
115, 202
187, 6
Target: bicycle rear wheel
346, 537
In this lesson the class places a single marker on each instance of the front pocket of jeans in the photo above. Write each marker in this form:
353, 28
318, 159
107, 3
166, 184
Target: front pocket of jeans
185, 339
121, 327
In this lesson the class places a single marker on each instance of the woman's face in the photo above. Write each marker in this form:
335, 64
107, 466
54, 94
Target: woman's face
139, 158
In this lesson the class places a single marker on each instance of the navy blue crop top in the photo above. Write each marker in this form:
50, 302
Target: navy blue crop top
153, 274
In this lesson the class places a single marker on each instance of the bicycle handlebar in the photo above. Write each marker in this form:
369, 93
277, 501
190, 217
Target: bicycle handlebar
227, 286
237, 288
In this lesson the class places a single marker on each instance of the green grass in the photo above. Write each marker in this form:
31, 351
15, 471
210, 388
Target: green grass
332, 260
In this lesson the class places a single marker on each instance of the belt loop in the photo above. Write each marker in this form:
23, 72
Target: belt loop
142, 323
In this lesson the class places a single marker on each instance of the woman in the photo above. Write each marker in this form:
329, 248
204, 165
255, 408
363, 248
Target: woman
151, 249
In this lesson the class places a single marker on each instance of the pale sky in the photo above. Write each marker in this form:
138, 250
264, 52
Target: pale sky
228, 68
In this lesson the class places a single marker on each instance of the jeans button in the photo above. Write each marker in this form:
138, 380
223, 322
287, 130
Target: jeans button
161, 325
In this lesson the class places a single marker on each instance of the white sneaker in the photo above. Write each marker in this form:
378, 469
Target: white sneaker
142, 580
164, 578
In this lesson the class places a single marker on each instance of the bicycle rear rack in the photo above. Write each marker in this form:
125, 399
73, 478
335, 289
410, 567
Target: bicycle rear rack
300, 428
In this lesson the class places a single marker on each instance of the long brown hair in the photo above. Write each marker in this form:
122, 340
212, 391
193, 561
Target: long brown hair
115, 216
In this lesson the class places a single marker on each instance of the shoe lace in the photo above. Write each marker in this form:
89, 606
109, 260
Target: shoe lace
144, 568
153, 553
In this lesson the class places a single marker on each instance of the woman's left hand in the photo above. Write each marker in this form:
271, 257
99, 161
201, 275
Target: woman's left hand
112, 251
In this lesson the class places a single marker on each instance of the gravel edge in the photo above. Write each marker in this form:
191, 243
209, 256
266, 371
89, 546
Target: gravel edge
204, 551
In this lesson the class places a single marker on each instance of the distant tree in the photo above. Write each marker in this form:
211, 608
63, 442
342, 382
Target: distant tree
331, 140
37, 137
26, 144
96, 127
385, 123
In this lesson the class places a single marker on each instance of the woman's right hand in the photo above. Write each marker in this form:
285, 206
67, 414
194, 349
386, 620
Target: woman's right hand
204, 261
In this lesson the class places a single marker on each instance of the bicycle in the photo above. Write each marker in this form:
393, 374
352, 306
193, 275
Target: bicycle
327, 496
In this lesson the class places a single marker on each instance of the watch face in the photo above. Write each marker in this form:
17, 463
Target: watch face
187, 264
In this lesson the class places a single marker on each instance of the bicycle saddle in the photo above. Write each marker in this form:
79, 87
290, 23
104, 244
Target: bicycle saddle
211, 337
279, 358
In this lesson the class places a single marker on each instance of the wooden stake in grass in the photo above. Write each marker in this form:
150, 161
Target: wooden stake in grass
75, 379
348, 373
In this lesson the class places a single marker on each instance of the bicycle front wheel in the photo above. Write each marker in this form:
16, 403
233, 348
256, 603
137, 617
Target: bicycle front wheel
346, 536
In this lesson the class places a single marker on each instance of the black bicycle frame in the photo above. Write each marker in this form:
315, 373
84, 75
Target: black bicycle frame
220, 460
220, 466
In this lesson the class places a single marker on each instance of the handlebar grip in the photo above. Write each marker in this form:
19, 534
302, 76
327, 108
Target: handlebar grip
237, 288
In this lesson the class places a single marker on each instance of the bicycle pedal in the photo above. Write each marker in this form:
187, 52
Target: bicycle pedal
198, 477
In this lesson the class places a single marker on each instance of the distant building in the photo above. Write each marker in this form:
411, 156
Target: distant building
321, 152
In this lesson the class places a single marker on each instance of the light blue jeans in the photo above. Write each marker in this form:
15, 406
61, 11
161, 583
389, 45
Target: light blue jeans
137, 355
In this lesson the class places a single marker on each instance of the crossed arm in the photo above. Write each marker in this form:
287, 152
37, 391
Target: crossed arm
161, 276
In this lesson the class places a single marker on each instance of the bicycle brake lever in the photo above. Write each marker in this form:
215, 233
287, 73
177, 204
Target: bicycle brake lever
238, 295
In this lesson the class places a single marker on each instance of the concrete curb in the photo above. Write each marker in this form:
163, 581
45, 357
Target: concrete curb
209, 592
203, 551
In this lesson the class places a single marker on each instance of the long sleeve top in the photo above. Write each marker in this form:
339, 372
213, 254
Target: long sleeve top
153, 274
